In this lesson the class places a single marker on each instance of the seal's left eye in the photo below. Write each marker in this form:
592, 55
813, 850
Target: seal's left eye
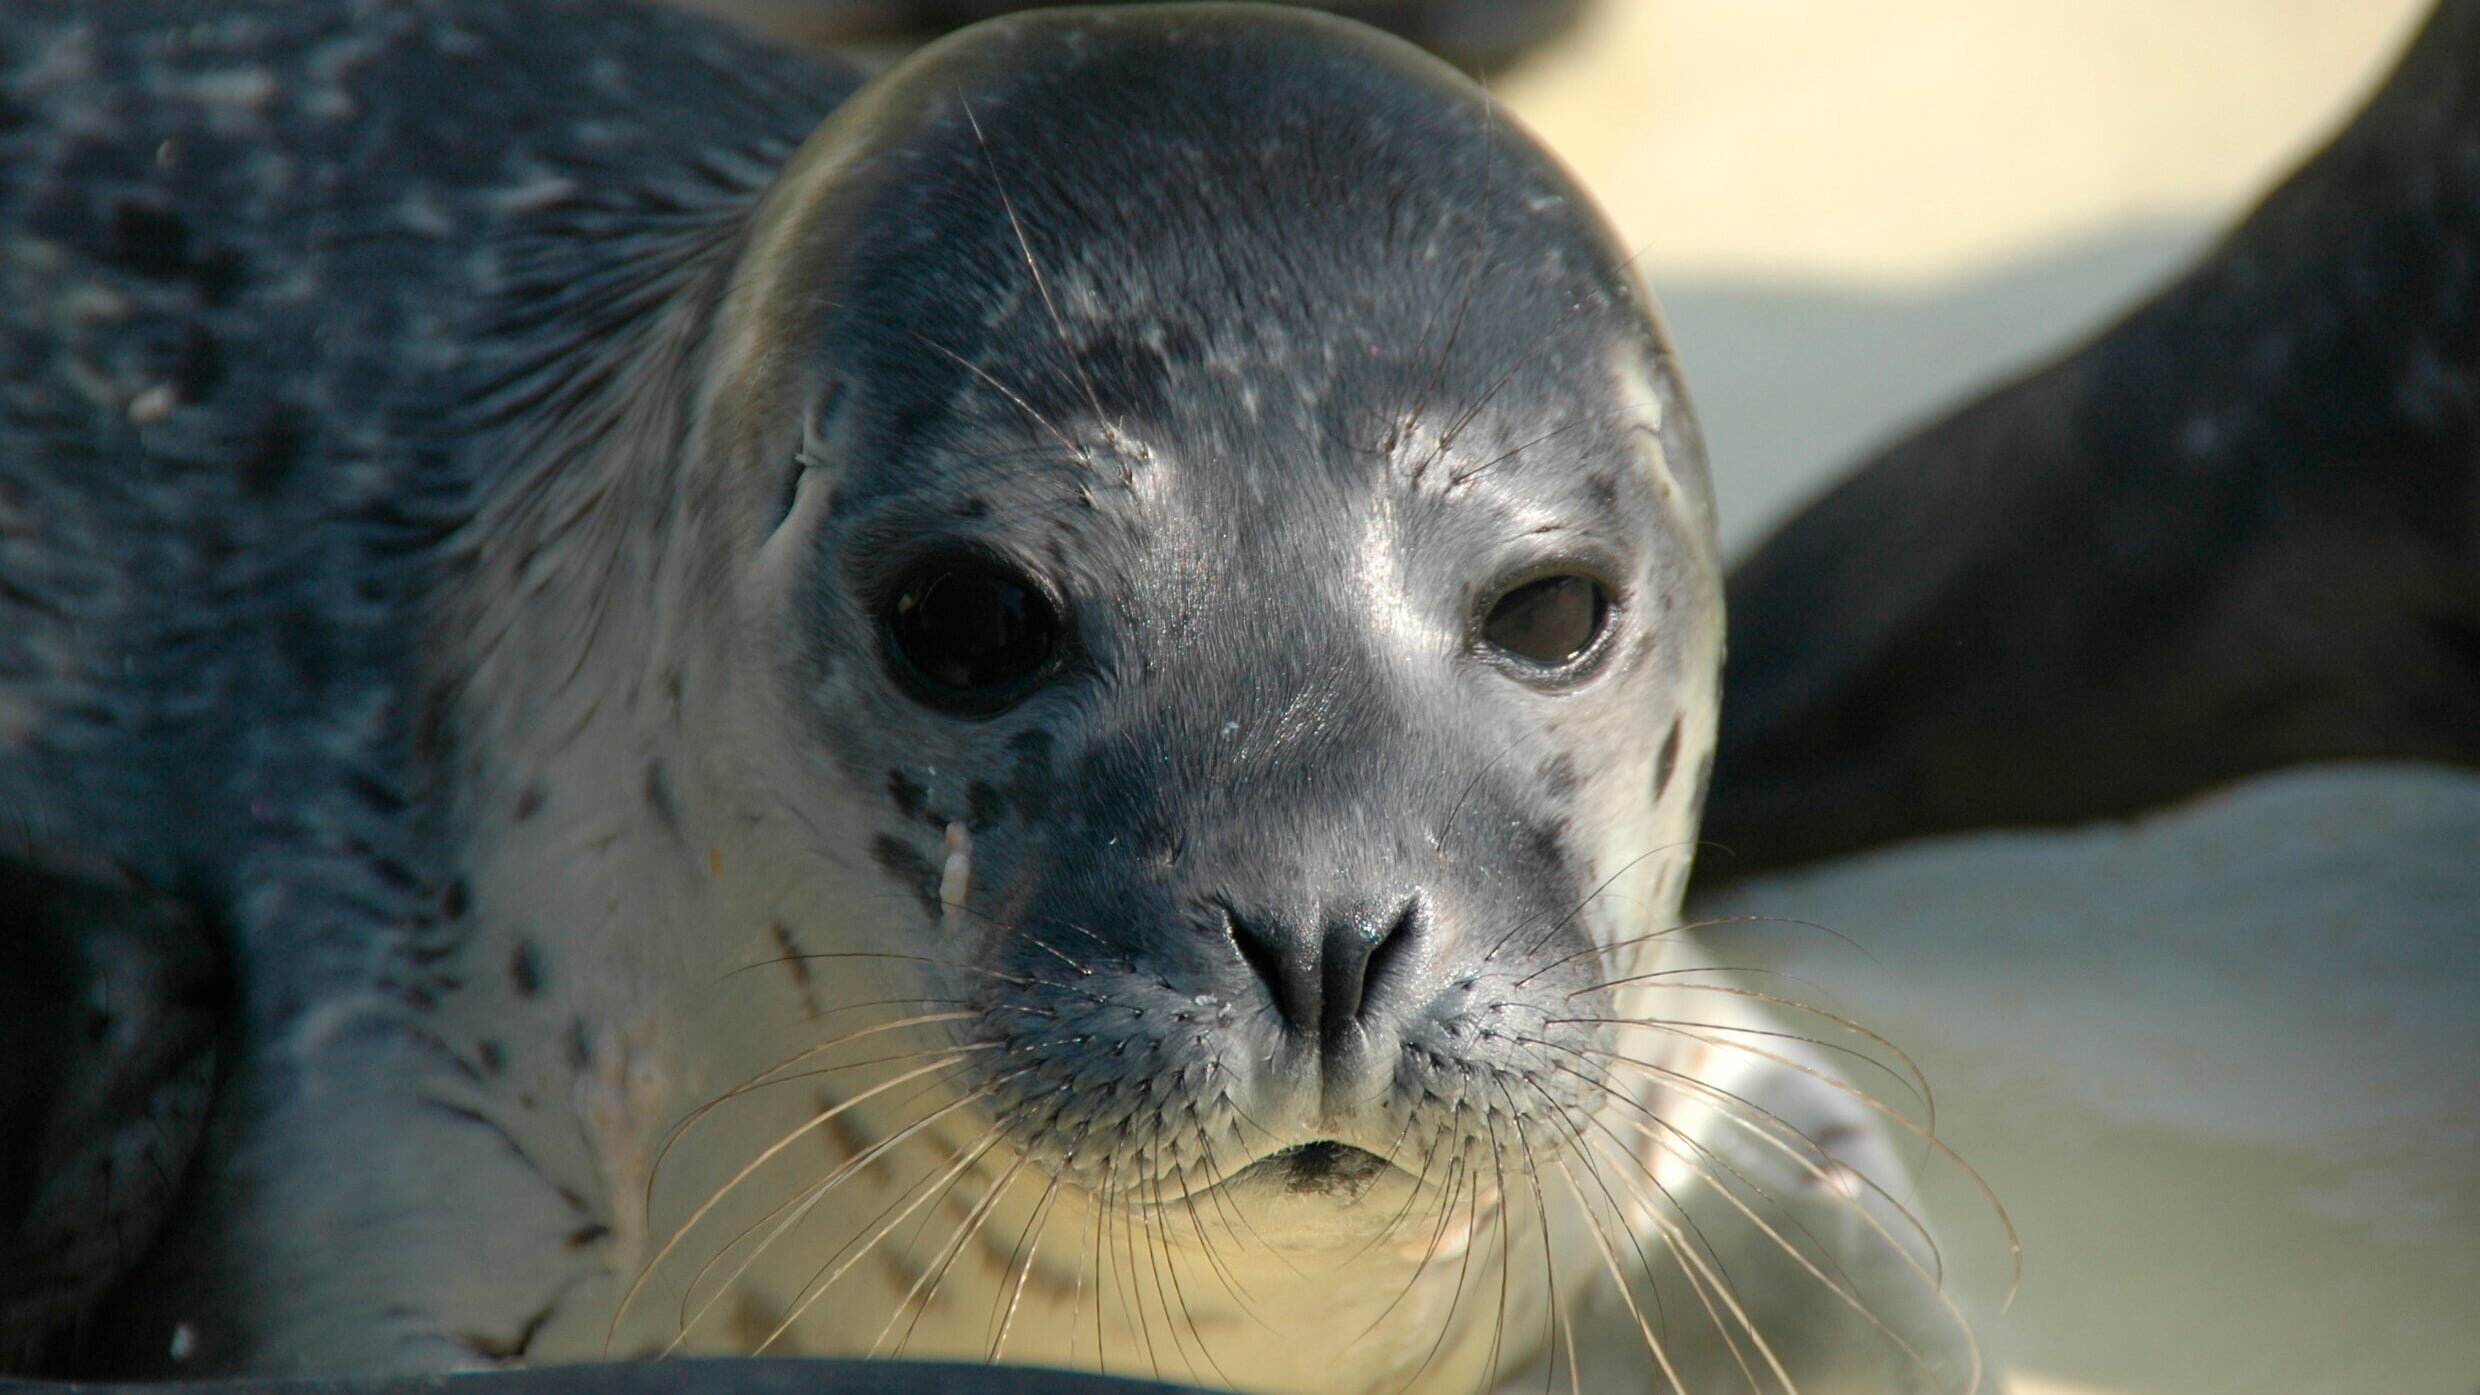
1552, 621
967, 628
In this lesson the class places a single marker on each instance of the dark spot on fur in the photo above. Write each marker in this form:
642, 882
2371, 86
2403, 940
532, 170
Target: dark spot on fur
430, 723
1604, 492
391, 872
580, 1040
1558, 775
907, 793
512, 1347
659, 796
1667, 763
146, 241
975, 507
1032, 784
275, 452
1542, 843
795, 962
457, 899
835, 501
198, 369
529, 803
909, 867
306, 648
218, 276
587, 1236
983, 805
846, 1140
376, 794
524, 970
493, 1055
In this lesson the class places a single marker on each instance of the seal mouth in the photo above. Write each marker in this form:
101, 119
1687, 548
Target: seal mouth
1323, 1167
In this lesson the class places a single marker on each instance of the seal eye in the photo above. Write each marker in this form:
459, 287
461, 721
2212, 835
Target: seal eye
1552, 621
970, 629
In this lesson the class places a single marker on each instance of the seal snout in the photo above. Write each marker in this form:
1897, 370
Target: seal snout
1332, 976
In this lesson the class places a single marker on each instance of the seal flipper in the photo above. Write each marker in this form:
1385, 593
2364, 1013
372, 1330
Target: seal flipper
112, 1017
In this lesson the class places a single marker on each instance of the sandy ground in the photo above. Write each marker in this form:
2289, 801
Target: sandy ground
2222, 1067
2231, 1173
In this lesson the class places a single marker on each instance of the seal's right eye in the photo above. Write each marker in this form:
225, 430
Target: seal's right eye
971, 631
1552, 621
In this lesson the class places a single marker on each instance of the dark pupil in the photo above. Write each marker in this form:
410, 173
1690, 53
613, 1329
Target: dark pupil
966, 628
1549, 621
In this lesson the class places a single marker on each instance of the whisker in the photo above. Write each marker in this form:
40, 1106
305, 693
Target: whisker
852, 1252
1549, 1263
1028, 1245
1132, 1289
774, 1075
1457, 1170
1883, 1111
1917, 1083
1177, 1299
1034, 266
1232, 1286
1815, 1161
1001, 388
919, 1297
1627, 1291
1700, 1156
1437, 1237
792, 1212
636, 1286
1578, 909
1467, 476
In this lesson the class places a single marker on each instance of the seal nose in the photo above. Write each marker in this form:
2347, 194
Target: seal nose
1325, 974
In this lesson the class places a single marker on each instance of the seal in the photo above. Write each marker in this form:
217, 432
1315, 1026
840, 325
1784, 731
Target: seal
1051, 709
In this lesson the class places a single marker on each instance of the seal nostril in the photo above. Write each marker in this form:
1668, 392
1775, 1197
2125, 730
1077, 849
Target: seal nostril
1323, 982
1261, 947
1362, 957
1392, 956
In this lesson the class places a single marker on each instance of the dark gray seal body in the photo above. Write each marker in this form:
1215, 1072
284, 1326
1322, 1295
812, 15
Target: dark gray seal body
2239, 531
1058, 718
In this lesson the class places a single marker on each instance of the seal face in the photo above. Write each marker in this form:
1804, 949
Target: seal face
1069, 734
1254, 682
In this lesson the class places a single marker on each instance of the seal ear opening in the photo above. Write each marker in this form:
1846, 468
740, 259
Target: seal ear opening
809, 456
